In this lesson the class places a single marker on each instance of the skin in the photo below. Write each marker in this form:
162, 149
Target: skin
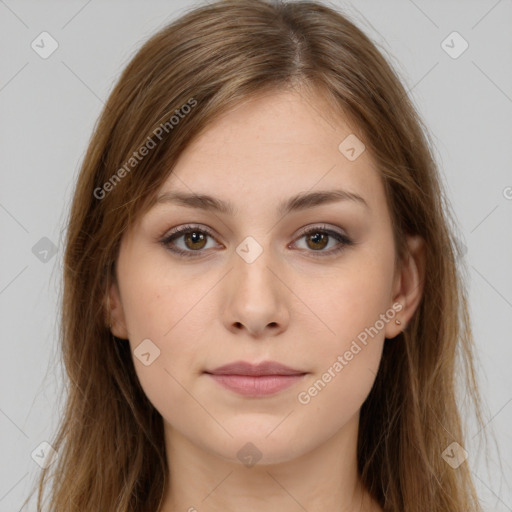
290, 305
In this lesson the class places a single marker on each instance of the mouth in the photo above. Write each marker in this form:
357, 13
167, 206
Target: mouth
267, 378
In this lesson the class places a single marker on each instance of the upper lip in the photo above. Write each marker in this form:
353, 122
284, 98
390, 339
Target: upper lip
264, 368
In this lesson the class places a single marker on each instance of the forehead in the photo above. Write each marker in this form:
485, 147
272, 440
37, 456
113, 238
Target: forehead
274, 146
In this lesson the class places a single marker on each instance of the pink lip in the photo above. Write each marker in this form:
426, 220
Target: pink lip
263, 379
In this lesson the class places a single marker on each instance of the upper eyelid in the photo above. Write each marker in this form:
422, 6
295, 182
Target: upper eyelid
180, 230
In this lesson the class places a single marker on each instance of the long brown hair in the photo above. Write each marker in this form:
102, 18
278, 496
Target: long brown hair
110, 441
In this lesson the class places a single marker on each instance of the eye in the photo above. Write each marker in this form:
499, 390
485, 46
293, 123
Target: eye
195, 240
318, 238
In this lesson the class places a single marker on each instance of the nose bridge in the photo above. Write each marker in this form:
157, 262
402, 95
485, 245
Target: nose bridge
252, 262
255, 297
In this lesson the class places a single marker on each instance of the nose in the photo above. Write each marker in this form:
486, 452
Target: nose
255, 298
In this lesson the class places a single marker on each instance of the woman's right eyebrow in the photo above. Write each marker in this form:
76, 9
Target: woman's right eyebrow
301, 201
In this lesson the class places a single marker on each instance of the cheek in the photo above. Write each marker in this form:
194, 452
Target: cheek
166, 310
354, 307
175, 310
335, 395
350, 298
157, 298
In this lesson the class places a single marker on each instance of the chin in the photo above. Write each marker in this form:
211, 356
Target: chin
251, 446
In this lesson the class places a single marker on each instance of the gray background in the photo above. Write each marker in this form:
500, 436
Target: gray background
48, 108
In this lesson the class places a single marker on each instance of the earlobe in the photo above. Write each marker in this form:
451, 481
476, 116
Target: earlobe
115, 313
409, 285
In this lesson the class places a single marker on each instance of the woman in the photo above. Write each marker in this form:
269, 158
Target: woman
261, 304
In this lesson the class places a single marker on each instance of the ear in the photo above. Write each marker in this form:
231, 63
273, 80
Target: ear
408, 285
115, 313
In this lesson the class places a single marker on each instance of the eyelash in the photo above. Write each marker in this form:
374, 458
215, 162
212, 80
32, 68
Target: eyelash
343, 240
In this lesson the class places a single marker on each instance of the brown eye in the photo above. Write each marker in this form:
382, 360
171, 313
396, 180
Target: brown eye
195, 240
318, 240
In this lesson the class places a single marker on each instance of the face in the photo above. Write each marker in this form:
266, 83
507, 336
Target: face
312, 287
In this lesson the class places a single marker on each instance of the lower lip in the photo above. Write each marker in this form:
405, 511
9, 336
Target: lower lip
256, 386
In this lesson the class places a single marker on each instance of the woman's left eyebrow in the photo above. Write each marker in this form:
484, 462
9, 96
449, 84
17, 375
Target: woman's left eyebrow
301, 201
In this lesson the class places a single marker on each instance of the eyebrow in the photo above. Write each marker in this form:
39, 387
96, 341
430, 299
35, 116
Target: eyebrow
299, 202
